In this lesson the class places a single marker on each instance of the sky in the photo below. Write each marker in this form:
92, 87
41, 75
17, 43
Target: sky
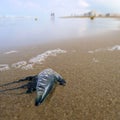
60, 7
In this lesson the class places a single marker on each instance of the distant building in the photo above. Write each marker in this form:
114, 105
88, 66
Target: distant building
100, 15
112, 15
95, 14
91, 13
107, 15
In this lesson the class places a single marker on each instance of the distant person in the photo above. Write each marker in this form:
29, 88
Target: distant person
53, 17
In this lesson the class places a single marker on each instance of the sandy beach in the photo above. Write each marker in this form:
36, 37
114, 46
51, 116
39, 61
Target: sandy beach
91, 68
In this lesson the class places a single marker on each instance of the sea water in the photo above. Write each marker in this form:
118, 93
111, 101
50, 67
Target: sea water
24, 31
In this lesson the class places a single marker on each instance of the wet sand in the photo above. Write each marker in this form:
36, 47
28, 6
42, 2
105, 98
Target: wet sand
92, 91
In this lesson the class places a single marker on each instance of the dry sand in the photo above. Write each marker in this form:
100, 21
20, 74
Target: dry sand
92, 91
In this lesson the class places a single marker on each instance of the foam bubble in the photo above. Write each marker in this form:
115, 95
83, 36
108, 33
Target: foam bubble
19, 64
116, 47
90, 52
35, 60
27, 67
95, 60
100, 49
10, 52
40, 58
4, 67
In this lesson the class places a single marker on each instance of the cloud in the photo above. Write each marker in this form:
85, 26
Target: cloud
71, 3
112, 3
83, 3
108, 5
60, 7
69, 6
24, 4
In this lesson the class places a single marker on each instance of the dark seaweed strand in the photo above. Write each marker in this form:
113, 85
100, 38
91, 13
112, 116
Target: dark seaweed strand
23, 86
30, 86
29, 78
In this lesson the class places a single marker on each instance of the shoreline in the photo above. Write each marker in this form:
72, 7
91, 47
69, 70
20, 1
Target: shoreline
93, 85
116, 17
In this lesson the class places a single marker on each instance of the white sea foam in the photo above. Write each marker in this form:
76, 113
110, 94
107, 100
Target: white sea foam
95, 60
24, 65
10, 52
19, 64
116, 47
4, 67
27, 67
100, 49
40, 58
97, 50
90, 52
